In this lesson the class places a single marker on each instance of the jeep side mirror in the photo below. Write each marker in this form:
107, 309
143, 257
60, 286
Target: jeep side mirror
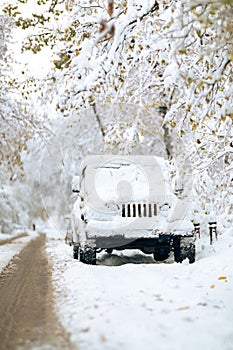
76, 184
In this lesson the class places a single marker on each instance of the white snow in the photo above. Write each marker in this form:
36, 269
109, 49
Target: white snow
9, 250
128, 301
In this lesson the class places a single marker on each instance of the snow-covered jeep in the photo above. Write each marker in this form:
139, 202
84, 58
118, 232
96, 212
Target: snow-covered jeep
127, 202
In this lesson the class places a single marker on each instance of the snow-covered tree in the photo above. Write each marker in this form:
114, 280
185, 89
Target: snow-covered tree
18, 124
171, 60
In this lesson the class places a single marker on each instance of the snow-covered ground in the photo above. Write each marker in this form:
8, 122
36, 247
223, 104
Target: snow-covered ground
12, 244
128, 301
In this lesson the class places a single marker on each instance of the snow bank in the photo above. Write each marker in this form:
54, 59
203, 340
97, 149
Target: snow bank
147, 305
9, 250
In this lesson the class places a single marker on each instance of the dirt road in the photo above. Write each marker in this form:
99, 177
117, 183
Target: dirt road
27, 318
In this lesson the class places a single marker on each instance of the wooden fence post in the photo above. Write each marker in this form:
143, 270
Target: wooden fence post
213, 231
197, 228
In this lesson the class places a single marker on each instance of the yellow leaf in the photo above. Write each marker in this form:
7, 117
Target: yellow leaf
182, 132
194, 126
182, 308
222, 278
159, 299
142, 132
212, 286
173, 124
182, 51
223, 118
230, 56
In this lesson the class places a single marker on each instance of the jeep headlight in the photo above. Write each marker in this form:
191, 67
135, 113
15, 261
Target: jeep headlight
164, 209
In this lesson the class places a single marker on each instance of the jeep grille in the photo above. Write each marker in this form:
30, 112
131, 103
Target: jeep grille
138, 210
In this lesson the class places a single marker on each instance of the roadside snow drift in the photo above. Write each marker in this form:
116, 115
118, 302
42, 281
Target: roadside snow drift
128, 301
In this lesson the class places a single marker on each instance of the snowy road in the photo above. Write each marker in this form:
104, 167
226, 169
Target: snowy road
122, 305
128, 301
27, 319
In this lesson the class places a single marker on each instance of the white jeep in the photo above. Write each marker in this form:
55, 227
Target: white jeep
126, 202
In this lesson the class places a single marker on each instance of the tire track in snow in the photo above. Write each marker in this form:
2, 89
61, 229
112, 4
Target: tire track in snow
27, 318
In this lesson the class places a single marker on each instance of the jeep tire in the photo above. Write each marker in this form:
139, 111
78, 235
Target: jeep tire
88, 255
161, 252
184, 247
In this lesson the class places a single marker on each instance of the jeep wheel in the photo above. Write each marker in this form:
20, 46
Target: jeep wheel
88, 256
76, 251
184, 247
161, 253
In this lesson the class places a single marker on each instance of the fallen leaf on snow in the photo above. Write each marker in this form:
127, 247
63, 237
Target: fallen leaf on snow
103, 338
212, 286
222, 278
159, 299
182, 308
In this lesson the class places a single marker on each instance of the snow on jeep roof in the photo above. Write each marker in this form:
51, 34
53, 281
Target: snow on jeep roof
114, 178
114, 160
